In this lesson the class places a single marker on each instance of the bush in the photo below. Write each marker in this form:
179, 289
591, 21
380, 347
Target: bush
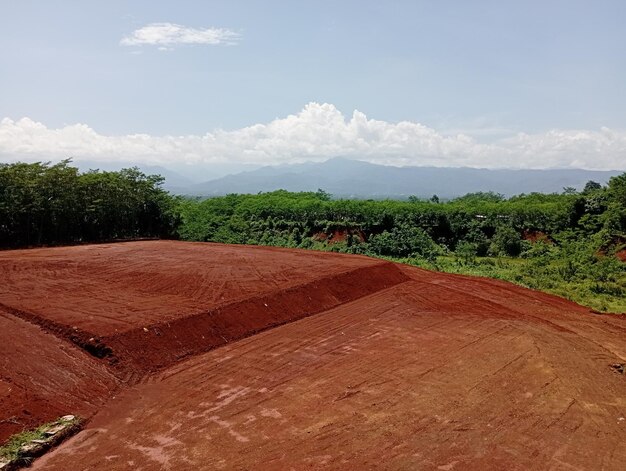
404, 241
466, 253
506, 241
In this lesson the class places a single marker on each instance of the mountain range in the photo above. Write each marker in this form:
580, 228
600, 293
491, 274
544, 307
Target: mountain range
357, 179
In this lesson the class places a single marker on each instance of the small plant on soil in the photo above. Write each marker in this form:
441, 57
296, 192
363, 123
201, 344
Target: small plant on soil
25, 445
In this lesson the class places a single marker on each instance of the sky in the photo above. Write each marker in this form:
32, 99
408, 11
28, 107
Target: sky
234, 84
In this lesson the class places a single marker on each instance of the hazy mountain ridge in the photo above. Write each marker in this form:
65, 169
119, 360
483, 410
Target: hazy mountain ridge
353, 178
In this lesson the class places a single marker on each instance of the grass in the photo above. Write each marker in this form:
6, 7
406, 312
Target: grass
576, 272
603, 293
11, 450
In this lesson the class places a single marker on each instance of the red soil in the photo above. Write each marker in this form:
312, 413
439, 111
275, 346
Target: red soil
145, 305
168, 342
42, 377
621, 255
339, 235
111, 288
537, 236
398, 369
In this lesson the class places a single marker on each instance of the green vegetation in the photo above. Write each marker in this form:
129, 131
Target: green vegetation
596, 282
561, 243
54, 204
13, 449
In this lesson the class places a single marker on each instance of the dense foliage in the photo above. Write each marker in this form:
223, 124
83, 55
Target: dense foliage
397, 228
42, 203
563, 243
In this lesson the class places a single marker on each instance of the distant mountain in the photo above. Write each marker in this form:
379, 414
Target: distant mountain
353, 178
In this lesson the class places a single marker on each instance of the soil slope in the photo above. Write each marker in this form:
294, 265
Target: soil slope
146, 305
384, 367
43, 377
108, 289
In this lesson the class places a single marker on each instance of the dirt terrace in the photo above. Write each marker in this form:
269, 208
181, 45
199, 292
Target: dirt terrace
145, 305
109, 289
412, 370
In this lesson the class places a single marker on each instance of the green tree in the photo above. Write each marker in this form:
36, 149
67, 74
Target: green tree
404, 241
615, 215
591, 187
42, 203
506, 241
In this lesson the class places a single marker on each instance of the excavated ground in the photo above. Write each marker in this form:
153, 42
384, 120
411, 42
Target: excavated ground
398, 368
145, 305
43, 377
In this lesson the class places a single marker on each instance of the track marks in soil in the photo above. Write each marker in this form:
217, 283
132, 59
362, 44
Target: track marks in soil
608, 333
111, 288
385, 380
400, 368
166, 301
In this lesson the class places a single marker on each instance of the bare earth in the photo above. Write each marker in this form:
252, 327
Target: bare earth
225, 357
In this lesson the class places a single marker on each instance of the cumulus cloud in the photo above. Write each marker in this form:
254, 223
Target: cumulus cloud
316, 133
167, 35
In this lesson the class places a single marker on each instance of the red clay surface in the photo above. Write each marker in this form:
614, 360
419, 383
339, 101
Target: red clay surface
144, 305
387, 367
111, 288
43, 377
537, 236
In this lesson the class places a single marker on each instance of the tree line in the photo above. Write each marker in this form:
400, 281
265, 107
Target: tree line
42, 204
482, 223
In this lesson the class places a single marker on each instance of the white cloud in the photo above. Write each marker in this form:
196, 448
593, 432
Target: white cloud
166, 35
318, 132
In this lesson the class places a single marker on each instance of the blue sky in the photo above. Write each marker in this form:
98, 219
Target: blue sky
480, 83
